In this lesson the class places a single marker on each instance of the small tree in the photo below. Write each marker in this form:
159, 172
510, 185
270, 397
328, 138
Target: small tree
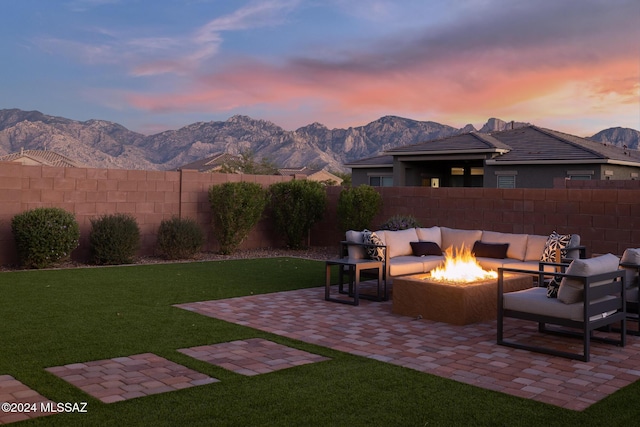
296, 206
179, 238
247, 163
44, 236
236, 207
357, 206
114, 239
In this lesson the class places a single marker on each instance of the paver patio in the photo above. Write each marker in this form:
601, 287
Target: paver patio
122, 378
13, 391
253, 356
467, 354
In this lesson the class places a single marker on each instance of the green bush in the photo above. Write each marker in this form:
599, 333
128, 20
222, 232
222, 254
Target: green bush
179, 238
296, 206
114, 239
400, 222
357, 207
236, 207
44, 236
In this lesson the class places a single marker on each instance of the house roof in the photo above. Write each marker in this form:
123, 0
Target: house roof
532, 144
384, 161
525, 145
210, 163
310, 173
43, 157
472, 142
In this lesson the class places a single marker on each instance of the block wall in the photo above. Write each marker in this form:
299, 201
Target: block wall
607, 219
150, 196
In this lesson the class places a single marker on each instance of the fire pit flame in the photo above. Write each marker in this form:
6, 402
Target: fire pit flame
461, 267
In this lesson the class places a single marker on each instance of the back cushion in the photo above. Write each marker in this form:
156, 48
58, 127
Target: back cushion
430, 235
399, 242
535, 247
517, 243
457, 238
571, 290
632, 256
355, 252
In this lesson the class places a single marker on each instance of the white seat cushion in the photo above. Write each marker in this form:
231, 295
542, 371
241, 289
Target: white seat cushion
430, 235
457, 238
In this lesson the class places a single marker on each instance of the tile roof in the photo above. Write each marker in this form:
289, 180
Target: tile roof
47, 158
210, 163
375, 161
472, 141
534, 144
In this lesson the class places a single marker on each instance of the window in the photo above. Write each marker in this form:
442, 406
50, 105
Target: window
584, 175
506, 181
381, 181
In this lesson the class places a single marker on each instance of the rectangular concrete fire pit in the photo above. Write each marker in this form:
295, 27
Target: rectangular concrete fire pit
458, 304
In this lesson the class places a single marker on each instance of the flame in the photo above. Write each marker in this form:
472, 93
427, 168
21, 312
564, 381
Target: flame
461, 267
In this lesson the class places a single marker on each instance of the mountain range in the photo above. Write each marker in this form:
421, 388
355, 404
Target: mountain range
104, 144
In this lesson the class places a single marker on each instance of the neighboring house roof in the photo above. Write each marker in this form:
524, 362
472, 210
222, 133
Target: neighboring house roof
384, 161
525, 145
535, 145
40, 157
311, 174
209, 164
472, 142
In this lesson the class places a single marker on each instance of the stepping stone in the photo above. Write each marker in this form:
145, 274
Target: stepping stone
122, 378
19, 402
252, 357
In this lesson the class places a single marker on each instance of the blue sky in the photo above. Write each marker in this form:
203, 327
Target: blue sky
152, 65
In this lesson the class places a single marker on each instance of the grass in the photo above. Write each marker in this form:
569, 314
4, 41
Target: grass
55, 317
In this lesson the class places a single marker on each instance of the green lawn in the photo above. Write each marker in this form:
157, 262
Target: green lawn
55, 317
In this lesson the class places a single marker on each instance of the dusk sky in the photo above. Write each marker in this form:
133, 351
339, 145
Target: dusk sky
153, 65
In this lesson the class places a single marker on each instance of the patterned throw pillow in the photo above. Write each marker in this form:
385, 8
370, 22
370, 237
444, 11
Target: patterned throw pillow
371, 238
553, 286
554, 242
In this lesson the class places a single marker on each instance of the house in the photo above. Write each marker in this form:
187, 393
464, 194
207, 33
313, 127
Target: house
40, 157
525, 157
210, 164
312, 174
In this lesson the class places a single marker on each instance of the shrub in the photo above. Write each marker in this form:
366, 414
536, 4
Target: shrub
357, 207
179, 238
400, 222
236, 207
44, 236
296, 206
114, 239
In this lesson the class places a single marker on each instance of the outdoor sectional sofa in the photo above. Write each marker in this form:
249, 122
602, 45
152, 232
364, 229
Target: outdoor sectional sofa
402, 256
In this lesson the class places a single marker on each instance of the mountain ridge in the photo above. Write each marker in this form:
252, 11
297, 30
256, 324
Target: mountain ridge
103, 144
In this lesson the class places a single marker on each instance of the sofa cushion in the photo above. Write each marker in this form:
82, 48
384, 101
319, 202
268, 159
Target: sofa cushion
452, 237
430, 235
554, 243
425, 248
534, 300
535, 247
571, 290
632, 256
373, 252
399, 242
517, 243
355, 252
403, 265
490, 250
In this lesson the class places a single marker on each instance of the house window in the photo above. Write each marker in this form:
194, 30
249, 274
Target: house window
506, 181
584, 175
381, 181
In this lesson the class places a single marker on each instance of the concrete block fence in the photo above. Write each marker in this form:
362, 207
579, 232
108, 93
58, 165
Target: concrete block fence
606, 216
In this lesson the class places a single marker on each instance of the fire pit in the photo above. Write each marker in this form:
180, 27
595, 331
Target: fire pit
458, 292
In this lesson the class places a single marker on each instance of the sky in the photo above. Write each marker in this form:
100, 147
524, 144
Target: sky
154, 65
